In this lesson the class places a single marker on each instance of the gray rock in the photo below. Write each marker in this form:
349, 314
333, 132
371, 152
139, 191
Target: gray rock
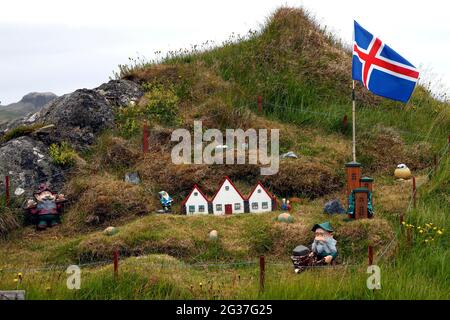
333, 206
121, 92
132, 178
77, 118
28, 164
289, 154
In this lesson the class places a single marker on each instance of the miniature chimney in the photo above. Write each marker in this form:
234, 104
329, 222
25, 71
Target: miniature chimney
353, 173
367, 182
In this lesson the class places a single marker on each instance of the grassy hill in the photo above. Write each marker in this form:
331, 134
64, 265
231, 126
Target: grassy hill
302, 74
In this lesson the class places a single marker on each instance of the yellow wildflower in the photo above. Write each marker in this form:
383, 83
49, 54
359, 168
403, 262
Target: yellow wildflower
440, 232
16, 280
421, 231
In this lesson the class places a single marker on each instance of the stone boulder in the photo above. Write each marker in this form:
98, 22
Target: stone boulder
28, 164
121, 93
77, 118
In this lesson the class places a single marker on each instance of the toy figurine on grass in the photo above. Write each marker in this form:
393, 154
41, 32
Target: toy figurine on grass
285, 205
166, 202
323, 249
46, 208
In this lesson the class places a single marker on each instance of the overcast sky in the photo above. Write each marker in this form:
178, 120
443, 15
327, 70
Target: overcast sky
60, 46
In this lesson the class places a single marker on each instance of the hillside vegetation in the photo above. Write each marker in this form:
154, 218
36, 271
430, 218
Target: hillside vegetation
302, 74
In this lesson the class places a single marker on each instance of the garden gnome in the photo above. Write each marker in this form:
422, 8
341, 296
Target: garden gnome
285, 205
47, 207
166, 201
324, 245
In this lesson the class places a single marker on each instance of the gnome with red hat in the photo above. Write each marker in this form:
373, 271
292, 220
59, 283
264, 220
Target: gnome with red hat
46, 208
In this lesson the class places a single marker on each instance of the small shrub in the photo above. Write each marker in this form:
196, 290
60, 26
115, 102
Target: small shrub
161, 105
127, 121
62, 155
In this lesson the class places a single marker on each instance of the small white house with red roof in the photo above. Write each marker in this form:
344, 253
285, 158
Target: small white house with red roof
260, 200
228, 200
196, 202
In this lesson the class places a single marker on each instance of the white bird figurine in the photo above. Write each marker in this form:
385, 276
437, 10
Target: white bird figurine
402, 172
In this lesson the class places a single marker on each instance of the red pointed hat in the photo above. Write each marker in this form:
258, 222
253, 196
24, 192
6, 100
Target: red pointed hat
43, 187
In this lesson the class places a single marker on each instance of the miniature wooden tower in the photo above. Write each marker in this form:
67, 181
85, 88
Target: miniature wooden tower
353, 173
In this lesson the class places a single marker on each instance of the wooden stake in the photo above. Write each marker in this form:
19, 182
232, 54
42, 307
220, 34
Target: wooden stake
414, 191
262, 273
259, 104
345, 122
116, 263
7, 195
145, 138
370, 254
435, 161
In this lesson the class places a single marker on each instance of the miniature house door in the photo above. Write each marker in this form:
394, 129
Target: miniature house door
228, 209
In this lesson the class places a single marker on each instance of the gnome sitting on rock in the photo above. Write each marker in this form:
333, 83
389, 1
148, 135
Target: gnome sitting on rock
47, 207
323, 249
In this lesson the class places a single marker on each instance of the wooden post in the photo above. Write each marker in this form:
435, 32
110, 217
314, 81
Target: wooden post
262, 273
345, 122
370, 254
7, 195
145, 138
116, 263
414, 191
408, 236
401, 218
435, 161
259, 104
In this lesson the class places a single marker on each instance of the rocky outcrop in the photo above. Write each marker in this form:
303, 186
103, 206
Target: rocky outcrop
120, 92
79, 116
76, 118
27, 163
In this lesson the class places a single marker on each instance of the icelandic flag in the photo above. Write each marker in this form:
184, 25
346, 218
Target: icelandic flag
381, 70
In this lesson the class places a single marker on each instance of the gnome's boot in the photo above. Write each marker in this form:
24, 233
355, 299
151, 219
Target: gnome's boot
54, 222
42, 225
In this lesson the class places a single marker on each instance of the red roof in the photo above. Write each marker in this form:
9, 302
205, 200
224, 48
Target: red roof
232, 184
190, 193
265, 190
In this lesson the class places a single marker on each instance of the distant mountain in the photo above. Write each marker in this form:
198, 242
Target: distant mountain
32, 102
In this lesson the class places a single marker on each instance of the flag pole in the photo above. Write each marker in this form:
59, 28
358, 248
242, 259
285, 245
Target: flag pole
353, 121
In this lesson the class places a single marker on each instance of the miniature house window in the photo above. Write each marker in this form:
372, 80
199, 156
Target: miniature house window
218, 207
201, 208
191, 208
255, 205
264, 205
353, 176
259, 191
195, 194
237, 206
227, 188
